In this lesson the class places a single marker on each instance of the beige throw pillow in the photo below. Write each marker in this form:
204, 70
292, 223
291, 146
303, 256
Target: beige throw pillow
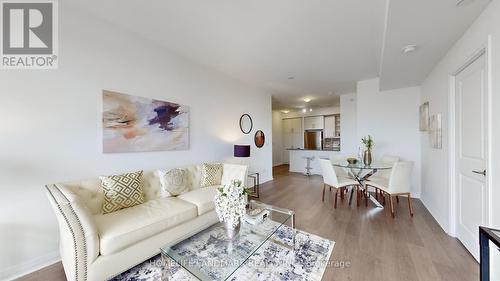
211, 174
174, 181
122, 191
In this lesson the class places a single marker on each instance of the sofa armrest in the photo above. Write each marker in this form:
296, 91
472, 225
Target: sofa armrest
234, 172
79, 239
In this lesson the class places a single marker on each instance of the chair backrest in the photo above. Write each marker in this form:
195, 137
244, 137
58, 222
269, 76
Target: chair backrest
400, 179
339, 171
329, 175
387, 159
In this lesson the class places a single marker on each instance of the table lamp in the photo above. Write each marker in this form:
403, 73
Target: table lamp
242, 151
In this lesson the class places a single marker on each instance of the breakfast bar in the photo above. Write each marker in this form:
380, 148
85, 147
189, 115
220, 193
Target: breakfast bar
298, 159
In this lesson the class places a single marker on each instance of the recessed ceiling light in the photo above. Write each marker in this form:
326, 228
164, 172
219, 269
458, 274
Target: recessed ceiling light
285, 111
306, 99
310, 109
409, 49
304, 110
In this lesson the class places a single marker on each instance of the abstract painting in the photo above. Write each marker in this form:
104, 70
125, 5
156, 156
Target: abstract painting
436, 131
133, 124
424, 117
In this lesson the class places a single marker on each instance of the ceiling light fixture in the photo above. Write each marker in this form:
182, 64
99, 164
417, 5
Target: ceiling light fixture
310, 109
461, 2
306, 99
285, 111
304, 110
409, 49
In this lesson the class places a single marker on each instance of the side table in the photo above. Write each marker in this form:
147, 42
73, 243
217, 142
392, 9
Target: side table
256, 182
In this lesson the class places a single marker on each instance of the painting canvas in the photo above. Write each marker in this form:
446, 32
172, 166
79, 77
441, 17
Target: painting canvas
133, 124
424, 117
436, 131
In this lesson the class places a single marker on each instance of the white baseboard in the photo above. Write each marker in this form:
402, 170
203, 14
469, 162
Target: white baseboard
28, 267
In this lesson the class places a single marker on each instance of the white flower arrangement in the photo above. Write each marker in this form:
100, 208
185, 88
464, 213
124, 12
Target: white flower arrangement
230, 203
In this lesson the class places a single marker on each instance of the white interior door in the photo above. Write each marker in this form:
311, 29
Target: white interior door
471, 153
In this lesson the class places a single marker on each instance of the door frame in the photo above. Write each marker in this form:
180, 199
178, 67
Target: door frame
484, 49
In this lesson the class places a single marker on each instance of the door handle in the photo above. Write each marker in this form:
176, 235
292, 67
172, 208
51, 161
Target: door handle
483, 172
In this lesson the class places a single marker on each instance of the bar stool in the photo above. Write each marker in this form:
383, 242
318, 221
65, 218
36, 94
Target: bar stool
308, 165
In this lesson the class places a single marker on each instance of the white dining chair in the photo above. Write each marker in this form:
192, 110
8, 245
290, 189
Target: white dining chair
331, 179
384, 174
387, 159
398, 183
341, 172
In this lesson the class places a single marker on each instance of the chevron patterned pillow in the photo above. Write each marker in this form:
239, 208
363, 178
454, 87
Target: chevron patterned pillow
122, 191
211, 174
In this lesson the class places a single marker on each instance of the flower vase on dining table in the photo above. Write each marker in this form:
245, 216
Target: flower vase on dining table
367, 157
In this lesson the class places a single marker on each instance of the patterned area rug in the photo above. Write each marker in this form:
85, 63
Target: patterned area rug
271, 261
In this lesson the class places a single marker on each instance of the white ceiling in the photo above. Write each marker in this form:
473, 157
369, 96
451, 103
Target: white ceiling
434, 25
326, 46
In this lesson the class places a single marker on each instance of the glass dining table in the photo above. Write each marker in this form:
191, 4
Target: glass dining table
361, 173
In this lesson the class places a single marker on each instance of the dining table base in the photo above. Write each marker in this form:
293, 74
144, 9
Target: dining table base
361, 180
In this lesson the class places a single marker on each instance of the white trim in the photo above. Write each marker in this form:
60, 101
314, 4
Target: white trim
489, 175
451, 155
485, 49
22, 269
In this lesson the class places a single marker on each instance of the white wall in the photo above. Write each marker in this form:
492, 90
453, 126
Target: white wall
349, 141
435, 89
51, 125
277, 138
391, 118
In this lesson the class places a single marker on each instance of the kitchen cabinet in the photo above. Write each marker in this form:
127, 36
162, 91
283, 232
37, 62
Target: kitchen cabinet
329, 130
314, 123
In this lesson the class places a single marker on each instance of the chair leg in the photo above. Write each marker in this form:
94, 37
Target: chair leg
392, 205
330, 188
366, 197
335, 202
382, 194
342, 193
324, 187
376, 194
397, 199
358, 196
409, 205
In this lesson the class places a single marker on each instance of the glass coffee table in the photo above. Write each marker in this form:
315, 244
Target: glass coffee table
211, 255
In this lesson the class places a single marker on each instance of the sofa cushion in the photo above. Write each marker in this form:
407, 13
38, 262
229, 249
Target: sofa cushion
122, 191
123, 228
203, 198
173, 181
211, 174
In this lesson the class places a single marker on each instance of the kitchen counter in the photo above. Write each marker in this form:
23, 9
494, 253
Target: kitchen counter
298, 161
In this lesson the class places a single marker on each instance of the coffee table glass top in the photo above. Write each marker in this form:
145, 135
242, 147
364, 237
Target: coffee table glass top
211, 255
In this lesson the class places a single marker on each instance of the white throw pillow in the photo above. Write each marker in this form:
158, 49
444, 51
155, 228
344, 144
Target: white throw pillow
173, 182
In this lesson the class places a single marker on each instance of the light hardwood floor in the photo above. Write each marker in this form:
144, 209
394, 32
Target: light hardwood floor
369, 242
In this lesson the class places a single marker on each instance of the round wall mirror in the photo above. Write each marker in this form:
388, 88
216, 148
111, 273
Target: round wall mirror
246, 123
260, 139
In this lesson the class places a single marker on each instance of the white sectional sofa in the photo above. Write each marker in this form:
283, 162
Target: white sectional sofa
97, 246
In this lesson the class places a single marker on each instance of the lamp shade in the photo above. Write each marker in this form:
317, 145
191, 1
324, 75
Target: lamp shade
241, 150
